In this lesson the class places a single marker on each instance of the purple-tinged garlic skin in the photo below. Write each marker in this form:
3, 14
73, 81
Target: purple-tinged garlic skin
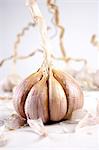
51, 97
15, 122
22, 91
72, 90
57, 100
36, 105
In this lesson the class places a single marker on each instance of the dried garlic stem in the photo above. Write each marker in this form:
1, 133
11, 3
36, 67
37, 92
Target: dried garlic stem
30, 54
18, 39
95, 40
5, 59
20, 57
5, 97
39, 19
53, 8
17, 42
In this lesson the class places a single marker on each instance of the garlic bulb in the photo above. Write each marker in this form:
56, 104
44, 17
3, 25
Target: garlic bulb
51, 97
49, 94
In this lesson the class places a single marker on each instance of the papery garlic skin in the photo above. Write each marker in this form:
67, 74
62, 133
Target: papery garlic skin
72, 90
14, 122
52, 97
36, 105
57, 100
22, 91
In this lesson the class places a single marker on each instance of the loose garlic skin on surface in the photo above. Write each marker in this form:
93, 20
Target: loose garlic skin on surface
51, 97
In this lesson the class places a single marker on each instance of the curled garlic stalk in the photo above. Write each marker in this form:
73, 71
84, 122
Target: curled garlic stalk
53, 8
37, 16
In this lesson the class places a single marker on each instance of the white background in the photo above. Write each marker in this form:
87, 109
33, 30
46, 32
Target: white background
79, 17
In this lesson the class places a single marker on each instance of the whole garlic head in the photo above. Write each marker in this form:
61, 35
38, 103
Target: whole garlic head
52, 97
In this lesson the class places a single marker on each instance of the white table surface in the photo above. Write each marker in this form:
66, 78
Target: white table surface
25, 139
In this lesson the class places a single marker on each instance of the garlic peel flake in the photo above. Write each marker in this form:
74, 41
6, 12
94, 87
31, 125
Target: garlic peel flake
37, 127
88, 120
3, 138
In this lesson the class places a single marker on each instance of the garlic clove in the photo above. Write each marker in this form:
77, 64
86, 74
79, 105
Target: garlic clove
22, 91
72, 90
57, 100
10, 82
14, 122
36, 105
